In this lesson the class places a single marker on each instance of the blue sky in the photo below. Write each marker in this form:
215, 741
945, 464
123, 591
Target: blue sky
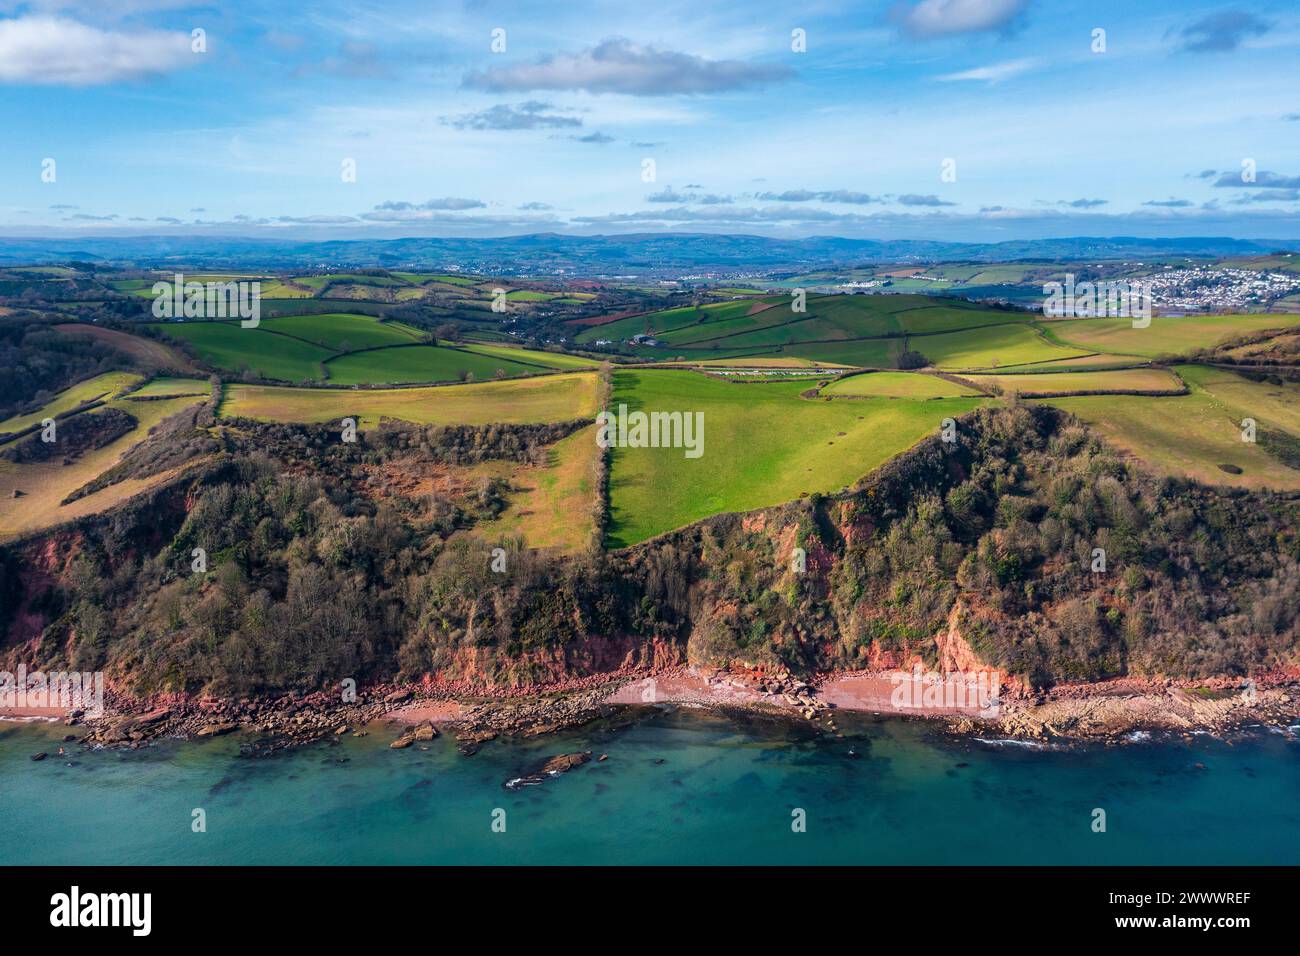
1046, 136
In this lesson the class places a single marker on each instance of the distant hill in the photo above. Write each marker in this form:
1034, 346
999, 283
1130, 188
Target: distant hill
640, 254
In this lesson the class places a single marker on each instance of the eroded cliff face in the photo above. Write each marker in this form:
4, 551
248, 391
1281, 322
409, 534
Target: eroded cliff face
954, 653
485, 670
971, 557
979, 556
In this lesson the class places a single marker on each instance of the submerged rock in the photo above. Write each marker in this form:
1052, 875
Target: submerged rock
565, 763
552, 768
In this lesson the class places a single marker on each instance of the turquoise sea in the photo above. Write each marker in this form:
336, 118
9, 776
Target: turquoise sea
678, 787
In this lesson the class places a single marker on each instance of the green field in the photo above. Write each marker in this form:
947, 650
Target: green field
531, 295
355, 350
309, 306
417, 363
918, 321
172, 387
548, 398
774, 362
763, 445
532, 356
990, 347
1098, 361
1119, 380
1273, 406
319, 282
896, 385
662, 322
869, 331
426, 277
1167, 335
341, 331
228, 346
868, 353
827, 318
1192, 435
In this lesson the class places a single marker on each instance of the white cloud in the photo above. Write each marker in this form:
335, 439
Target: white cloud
621, 66
935, 18
994, 73
61, 52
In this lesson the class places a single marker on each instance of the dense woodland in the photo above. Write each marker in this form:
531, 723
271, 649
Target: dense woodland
314, 575
39, 362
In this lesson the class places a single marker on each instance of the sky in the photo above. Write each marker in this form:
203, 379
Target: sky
959, 120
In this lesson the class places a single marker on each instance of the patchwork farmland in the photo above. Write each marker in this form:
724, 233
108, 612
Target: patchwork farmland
794, 403
353, 349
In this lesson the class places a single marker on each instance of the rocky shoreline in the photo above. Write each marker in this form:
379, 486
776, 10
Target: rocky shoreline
1109, 712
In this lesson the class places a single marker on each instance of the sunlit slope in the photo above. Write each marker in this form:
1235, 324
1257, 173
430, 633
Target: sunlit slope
763, 445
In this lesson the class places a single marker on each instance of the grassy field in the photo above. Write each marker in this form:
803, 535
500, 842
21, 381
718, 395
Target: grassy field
272, 308
1192, 435
341, 331
319, 282
668, 321
106, 386
770, 321
868, 353
418, 363
834, 334
355, 349
45, 484
549, 398
773, 362
897, 385
1098, 361
948, 318
172, 387
1272, 406
230, 347
762, 445
1167, 335
1120, 380
552, 505
990, 347
532, 356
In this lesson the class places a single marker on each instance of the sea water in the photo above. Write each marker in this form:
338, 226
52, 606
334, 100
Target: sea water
677, 787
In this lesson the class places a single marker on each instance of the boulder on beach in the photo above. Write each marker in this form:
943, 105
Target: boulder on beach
215, 730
